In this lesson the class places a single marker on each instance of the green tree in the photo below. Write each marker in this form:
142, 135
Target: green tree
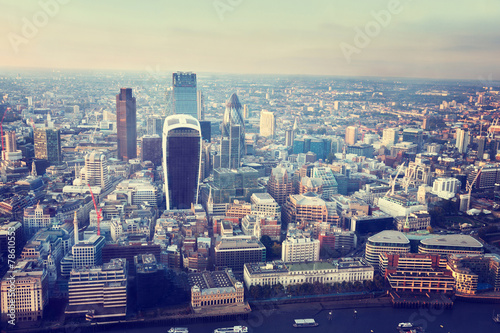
276, 250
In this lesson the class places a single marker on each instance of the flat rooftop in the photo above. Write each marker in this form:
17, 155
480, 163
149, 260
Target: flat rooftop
311, 266
452, 241
389, 236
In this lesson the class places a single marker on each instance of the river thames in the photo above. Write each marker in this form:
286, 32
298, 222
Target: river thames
463, 318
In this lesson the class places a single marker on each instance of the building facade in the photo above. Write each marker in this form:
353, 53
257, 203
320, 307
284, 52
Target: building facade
181, 160
126, 125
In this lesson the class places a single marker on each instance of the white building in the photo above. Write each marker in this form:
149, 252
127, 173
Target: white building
263, 204
95, 171
399, 205
386, 241
39, 216
267, 123
351, 135
446, 188
277, 272
300, 248
31, 292
462, 141
390, 137
88, 252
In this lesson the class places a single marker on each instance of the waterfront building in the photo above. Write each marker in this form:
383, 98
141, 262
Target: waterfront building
215, 289
278, 272
390, 241
100, 292
469, 270
450, 244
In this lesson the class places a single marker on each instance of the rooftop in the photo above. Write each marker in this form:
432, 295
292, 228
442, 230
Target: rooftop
389, 236
452, 240
311, 266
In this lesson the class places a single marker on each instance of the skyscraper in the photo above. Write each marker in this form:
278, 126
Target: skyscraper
48, 145
351, 135
267, 124
95, 172
184, 95
126, 124
201, 105
390, 137
481, 145
181, 160
462, 140
233, 129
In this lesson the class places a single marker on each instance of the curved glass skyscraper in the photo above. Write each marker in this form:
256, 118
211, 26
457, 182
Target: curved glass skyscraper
233, 133
181, 160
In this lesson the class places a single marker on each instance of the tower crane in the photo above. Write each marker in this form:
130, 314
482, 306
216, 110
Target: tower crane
98, 212
392, 183
469, 187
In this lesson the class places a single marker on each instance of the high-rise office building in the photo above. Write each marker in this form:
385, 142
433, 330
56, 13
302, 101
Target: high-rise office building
48, 145
151, 149
184, 94
206, 130
100, 292
126, 124
289, 137
462, 140
414, 135
390, 137
267, 124
201, 105
233, 129
11, 153
481, 145
351, 135
181, 160
95, 171
88, 252
280, 184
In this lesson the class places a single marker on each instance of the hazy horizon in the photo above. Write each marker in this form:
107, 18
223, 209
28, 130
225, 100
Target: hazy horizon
397, 39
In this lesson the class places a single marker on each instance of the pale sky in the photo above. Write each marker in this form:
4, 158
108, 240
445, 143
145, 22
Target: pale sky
421, 38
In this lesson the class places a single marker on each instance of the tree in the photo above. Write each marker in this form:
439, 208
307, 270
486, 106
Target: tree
276, 250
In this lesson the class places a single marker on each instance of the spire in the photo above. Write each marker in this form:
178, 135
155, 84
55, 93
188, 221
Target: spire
33, 169
295, 126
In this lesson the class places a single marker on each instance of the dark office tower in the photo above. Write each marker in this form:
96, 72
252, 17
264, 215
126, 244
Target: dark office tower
201, 105
206, 130
151, 149
481, 144
233, 128
184, 97
126, 124
48, 145
181, 160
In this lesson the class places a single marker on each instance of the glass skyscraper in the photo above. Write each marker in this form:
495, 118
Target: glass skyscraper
181, 160
233, 129
184, 95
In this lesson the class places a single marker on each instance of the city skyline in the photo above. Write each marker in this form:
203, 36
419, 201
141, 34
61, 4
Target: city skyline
401, 39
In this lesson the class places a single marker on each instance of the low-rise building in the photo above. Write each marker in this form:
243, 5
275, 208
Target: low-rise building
278, 272
298, 247
450, 244
469, 270
220, 288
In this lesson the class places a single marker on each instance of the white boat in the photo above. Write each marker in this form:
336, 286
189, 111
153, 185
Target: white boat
405, 325
178, 330
305, 323
234, 329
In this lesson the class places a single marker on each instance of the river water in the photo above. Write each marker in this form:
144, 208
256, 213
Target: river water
463, 318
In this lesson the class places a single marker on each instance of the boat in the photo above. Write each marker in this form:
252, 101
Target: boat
234, 329
496, 318
409, 328
178, 330
305, 323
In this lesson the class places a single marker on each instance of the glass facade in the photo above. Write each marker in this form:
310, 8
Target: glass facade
183, 148
185, 94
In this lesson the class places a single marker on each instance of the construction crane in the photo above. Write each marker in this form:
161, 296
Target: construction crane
469, 187
392, 183
97, 212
